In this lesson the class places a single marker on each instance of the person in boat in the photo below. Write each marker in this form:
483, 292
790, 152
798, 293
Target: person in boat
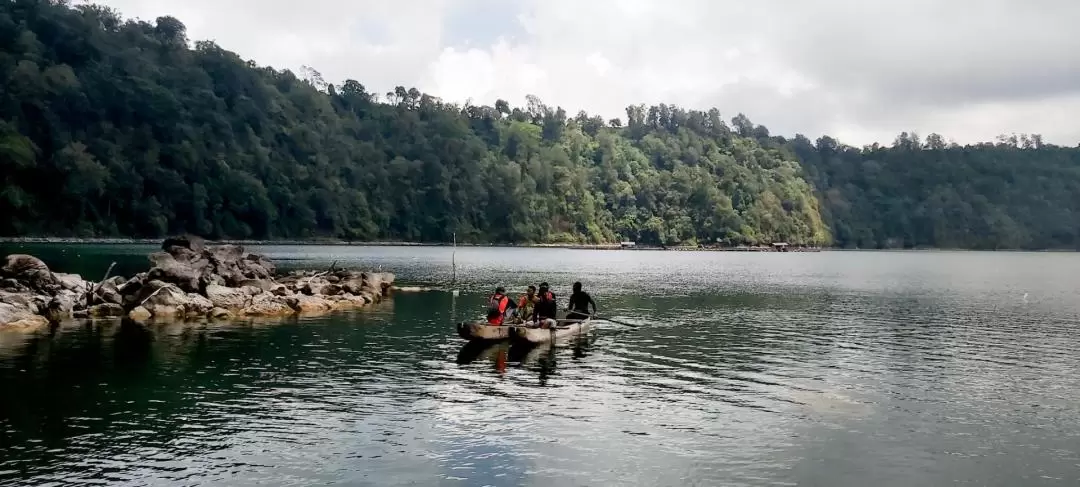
578, 306
499, 307
526, 304
546, 306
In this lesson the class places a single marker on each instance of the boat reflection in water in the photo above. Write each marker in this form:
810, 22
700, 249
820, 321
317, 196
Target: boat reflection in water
538, 357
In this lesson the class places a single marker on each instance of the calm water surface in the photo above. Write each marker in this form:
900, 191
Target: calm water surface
831, 369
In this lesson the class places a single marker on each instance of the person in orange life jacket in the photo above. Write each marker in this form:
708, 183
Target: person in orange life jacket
545, 305
498, 306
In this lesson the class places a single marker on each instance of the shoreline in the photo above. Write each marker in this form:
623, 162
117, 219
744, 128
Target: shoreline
345, 243
615, 246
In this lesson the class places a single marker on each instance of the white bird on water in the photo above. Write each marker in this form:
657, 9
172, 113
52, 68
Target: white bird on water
1025, 297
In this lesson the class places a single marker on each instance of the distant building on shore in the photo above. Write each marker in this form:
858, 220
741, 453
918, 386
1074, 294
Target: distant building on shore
628, 244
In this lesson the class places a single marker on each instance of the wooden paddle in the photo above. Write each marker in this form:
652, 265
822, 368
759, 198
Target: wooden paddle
595, 317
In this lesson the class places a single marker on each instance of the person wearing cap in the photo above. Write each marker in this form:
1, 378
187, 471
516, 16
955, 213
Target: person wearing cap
499, 306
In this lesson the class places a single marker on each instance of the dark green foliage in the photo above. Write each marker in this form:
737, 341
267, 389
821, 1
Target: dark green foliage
117, 128
1015, 194
113, 127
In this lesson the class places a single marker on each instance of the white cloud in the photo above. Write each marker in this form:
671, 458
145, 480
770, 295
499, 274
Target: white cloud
862, 71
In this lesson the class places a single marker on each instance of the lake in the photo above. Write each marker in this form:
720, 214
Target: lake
831, 369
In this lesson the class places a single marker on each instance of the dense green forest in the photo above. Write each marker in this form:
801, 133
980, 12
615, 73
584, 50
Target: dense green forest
1015, 193
113, 127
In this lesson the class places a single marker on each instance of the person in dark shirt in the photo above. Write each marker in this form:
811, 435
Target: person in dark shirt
546, 306
579, 304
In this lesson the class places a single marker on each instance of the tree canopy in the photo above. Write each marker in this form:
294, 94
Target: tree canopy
113, 127
1016, 193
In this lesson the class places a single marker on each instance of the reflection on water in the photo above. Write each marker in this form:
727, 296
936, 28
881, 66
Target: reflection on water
807, 369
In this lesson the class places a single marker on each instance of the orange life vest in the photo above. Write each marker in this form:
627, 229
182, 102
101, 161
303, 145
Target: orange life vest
497, 308
525, 306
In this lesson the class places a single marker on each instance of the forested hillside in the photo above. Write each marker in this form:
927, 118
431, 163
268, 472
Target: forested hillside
111, 127
1016, 193
123, 128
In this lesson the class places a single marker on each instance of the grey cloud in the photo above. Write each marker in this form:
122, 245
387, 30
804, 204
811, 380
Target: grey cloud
868, 69
481, 23
938, 52
810, 114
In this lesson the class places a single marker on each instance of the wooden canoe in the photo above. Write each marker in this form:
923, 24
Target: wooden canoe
565, 329
481, 330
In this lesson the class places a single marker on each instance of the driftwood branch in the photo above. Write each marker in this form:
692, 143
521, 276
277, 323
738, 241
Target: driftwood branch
88, 293
92, 289
108, 271
153, 293
308, 281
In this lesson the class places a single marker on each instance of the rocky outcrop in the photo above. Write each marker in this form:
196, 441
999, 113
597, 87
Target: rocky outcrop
61, 307
192, 266
30, 272
106, 310
188, 279
19, 316
72, 282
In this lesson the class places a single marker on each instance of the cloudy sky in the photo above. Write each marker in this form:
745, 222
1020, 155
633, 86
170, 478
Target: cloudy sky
860, 70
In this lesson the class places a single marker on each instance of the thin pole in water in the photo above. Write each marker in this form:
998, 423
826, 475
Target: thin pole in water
453, 281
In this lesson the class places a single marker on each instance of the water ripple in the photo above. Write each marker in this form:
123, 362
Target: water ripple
831, 369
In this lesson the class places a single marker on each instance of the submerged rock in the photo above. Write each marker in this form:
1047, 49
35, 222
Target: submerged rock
140, 314
106, 310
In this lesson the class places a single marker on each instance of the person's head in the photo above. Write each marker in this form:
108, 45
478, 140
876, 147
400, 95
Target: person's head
577, 287
543, 287
500, 290
531, 291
